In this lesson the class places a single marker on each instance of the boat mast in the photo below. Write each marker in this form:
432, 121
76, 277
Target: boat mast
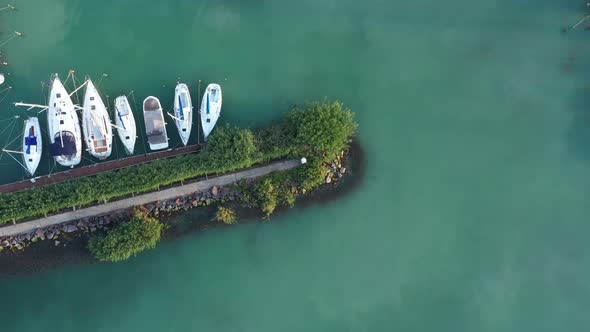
61, 138
78, 88
31, 106
115, 126
172, 116
13, 151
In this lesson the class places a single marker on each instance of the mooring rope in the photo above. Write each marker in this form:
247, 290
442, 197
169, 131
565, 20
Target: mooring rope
14, 140
52, 167
90, 160
13, 125
576, 25
7, 93
43, 93
100, 81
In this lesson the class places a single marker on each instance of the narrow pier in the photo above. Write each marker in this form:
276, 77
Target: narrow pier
100, 167
128, 203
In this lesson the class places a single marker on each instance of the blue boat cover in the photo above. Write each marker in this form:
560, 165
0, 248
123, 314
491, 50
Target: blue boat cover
207, 103
180, 108
67, 149
29, 141
120, 118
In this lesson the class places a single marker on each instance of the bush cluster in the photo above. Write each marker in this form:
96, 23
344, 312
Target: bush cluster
225, 215
127, 239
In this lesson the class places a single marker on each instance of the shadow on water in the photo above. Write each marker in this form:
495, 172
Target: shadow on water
579, 131
44, 256
575, 64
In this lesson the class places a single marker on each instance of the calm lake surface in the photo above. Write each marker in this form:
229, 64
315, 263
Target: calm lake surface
473, 214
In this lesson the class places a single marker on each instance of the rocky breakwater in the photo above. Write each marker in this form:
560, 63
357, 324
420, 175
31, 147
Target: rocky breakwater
337, 168
84, 227
59, 234
216, 194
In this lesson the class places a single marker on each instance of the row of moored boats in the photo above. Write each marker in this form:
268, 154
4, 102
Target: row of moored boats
65, 134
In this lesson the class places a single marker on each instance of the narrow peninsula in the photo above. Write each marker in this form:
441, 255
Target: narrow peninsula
309, 144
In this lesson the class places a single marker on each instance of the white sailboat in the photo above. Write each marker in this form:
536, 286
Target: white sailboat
125, 124
96, 124
32, 145
183, 112
155, 126
63, 126
210, 108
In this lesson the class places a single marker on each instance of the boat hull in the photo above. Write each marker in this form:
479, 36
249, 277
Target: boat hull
210, 108
96, 124
32, 145
183, 112
154, 123
125, 124
62, 120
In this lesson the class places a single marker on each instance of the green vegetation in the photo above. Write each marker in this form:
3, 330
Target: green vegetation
321, 129
225, 215
126, 240
317, 131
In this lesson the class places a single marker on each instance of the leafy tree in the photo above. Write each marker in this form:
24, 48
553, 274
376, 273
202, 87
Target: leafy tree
126, 240
274, 141
225, 215
267, 196
321, 128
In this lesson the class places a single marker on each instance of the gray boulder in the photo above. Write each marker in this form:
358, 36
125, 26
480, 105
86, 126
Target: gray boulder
71, 228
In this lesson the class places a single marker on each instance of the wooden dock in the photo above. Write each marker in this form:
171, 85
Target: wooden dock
97, 168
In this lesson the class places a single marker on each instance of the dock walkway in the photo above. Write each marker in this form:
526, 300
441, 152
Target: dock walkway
97, 168
138, 200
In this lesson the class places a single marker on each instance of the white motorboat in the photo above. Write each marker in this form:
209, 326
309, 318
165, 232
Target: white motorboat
183, 112
63, 126
125, 123
210, 108
32, 145
155, 126
96, 124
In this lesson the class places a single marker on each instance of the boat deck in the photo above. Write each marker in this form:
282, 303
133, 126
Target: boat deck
154, 122
100, 146
98, 168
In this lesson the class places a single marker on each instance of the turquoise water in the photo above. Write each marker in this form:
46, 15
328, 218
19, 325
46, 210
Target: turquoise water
473, 212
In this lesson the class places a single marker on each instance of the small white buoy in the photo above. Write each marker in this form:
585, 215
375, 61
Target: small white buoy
303, 160
1, 79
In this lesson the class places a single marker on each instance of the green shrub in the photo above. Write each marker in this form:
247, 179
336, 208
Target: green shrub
126, 240
321, 128
232, 146
267, 196
225, 215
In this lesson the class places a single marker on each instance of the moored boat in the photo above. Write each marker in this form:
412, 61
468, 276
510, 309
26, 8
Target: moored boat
96, 124
155, 126
210, 108
183, 112
125, 123
63, 126
32, 145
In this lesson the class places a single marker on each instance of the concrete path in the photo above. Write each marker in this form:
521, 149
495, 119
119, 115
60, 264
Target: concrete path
147, 198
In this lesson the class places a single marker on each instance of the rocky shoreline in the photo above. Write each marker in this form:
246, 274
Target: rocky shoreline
59, 235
